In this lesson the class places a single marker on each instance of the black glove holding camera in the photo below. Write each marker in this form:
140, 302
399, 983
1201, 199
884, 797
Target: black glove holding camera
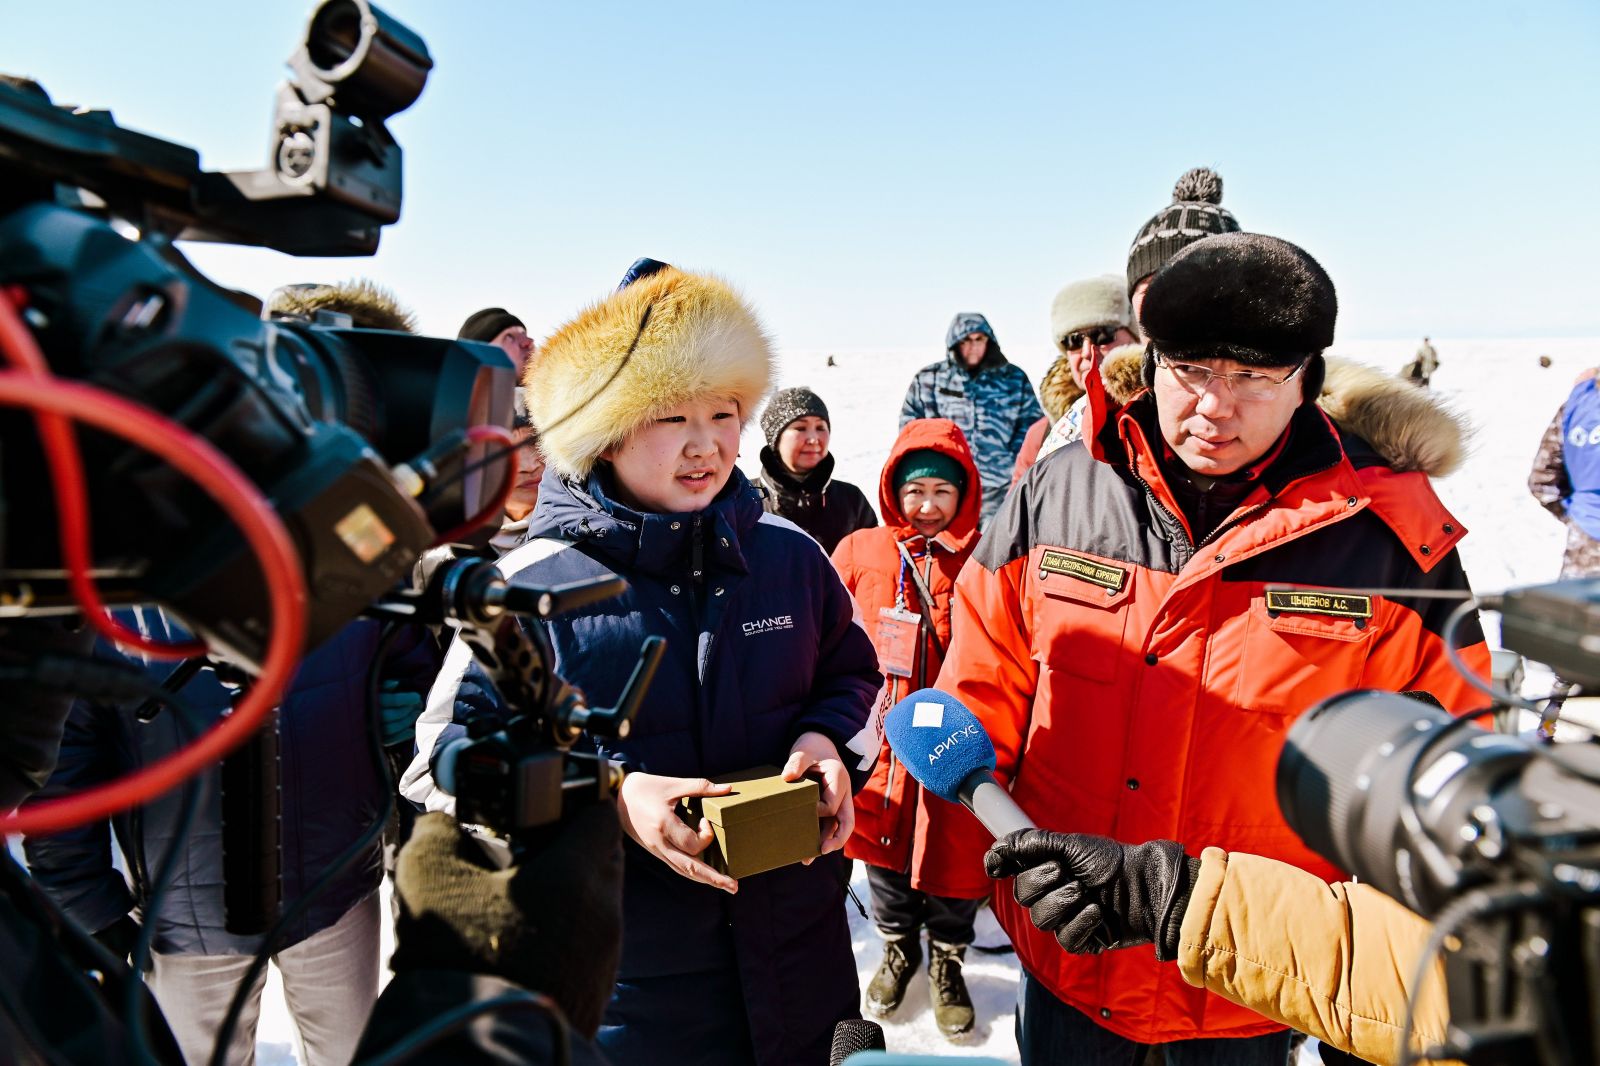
552, 923
1095, 894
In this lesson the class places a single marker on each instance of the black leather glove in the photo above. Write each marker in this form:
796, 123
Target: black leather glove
1095, 894
552, 923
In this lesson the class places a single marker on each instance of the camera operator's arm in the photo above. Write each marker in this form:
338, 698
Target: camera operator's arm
1329, 960
468, 931
1334, 960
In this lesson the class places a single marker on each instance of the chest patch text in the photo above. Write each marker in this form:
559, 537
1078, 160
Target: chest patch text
1067, 564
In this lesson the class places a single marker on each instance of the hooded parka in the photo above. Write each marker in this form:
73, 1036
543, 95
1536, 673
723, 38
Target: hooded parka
762, 646
1138, 685
869, 561
993, 404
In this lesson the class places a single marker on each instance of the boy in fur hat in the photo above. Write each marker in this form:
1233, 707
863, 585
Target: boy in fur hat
1125, 632
1088, 319
797, 470
639, 403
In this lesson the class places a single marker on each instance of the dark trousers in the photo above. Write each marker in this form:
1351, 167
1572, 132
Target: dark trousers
1049, 1031
901, 910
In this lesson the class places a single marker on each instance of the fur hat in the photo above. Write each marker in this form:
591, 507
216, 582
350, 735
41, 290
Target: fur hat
1196, 211
488, 324
1100, 301
369, 305
664, 340
786, 406
1247, 297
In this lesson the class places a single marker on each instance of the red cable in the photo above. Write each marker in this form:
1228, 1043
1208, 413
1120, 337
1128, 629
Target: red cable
192, 455
61, 452
498, 504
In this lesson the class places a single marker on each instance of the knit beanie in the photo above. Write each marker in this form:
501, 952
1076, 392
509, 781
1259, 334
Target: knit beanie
488, 324
1082, 305
1196, 211
925, 462
786, 406
1257, 300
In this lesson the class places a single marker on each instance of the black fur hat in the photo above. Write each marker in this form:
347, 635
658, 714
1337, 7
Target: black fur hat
1247, 297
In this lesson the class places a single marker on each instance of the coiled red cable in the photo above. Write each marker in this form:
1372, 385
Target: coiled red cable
195, 457
71, 493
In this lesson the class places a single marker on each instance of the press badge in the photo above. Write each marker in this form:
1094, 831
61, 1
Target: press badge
897, 640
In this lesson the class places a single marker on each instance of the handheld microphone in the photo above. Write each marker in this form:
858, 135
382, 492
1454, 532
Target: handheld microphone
944, 746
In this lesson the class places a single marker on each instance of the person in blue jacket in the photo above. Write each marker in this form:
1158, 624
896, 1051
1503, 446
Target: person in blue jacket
988, 397
639, 403
331, 791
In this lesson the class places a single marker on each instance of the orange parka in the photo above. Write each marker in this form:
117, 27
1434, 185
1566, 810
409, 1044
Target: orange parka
872, 569
1139, 685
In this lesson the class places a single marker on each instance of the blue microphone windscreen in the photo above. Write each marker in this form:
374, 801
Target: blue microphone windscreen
940, 742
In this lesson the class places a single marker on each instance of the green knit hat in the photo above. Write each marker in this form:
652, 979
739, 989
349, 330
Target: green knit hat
925, 462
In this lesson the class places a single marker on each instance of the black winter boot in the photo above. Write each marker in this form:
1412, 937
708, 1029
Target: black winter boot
952, 1007
901, 957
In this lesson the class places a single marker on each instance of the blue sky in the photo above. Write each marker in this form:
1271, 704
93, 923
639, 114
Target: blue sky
865, 170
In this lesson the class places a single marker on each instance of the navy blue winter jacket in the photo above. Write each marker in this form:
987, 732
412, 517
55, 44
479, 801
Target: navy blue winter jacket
331, 793
761, 647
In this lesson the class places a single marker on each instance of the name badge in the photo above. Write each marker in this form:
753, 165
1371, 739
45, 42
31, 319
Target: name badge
1337, 604
897, 640
1070, 564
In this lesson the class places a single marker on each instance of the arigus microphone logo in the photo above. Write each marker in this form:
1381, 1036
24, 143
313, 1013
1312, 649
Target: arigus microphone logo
931, 716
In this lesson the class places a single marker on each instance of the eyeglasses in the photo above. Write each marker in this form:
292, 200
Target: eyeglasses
1099, 337
1247, 385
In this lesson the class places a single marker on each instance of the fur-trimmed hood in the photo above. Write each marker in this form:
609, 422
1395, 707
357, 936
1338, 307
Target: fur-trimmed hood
1119, 370
369, 305
666, 339
1406, 425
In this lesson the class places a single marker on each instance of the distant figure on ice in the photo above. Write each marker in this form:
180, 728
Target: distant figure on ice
831, 362
989, 398
1421, 368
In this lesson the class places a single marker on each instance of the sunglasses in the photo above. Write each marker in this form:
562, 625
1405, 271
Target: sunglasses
1099, 337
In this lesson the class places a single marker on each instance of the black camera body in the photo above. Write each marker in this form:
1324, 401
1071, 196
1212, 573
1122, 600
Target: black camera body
330, 424
1494, 837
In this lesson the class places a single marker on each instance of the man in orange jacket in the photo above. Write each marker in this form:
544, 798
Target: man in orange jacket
1155, 603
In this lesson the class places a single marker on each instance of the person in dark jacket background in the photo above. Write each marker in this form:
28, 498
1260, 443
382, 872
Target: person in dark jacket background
990, 399
797, 470
331, 792
640, 401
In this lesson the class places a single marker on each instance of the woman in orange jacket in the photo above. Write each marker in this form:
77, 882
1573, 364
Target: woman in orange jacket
902, 575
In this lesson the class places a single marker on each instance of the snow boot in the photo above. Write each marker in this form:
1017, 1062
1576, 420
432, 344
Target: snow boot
952, 1006
901, 957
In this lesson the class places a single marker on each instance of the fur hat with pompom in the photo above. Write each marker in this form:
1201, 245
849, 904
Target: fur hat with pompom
666, 339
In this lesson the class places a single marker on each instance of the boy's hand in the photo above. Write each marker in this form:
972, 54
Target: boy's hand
648, 805
815, 754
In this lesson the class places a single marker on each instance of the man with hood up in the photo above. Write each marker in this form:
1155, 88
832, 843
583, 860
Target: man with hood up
1155, 604
987, 397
